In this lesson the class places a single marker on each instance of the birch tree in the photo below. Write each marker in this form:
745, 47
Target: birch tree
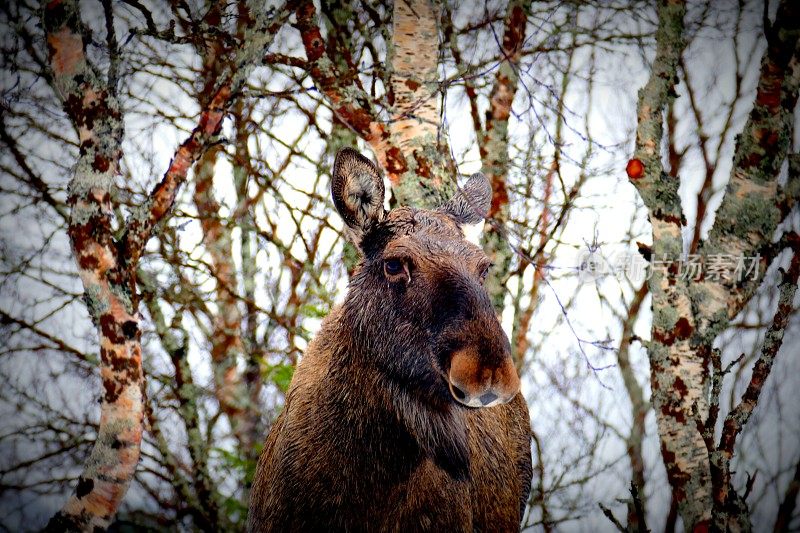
688, 315
107, 262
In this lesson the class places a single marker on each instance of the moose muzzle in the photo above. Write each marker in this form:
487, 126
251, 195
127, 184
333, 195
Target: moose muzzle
478, 383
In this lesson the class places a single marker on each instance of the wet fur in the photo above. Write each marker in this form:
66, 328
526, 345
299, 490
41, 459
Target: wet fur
370, 438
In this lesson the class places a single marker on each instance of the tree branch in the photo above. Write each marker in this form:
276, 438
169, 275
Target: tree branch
140, 225
108, 268
748, 216
727, 504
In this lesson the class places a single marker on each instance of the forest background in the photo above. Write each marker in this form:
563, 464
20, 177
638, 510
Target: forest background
168, 245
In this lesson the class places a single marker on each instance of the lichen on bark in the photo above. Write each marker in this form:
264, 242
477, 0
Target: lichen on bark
494, 147
107, 264
687, 317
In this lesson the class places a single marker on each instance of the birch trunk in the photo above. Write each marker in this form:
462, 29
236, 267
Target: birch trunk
107, 265
95, 112
493, 145
689, 314
677, 369
414, 128
415, 62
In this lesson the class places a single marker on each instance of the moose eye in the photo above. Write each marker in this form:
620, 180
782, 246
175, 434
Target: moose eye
393, 267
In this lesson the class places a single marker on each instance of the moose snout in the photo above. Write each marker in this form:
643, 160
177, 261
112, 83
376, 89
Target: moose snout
477, 384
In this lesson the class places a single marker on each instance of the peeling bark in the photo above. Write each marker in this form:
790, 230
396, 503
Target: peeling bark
107, 267
687, 316
419, 172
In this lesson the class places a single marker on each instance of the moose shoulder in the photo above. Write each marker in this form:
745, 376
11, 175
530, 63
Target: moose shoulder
384, 427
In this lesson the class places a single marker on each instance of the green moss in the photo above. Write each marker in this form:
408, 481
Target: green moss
792, 188
426, 192
666, 194
665, 317
496, 146
751, 213
668, 248
188, 392
95, 302
767, 150
500, 253
713, 324
350, 256
82, 213
658, 353
106, 449
123, 293
408, 190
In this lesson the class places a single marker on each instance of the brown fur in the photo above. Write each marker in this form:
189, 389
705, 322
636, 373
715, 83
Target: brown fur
373, 437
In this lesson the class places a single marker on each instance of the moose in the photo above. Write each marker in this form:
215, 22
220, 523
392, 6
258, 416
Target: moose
404, 413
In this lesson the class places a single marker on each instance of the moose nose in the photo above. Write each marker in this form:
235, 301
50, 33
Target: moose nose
477, 385
459, 394
487, 399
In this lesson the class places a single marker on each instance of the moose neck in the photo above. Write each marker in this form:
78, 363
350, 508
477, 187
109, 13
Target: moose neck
385, 395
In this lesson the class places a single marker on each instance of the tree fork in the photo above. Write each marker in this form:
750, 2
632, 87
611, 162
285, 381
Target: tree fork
107, 267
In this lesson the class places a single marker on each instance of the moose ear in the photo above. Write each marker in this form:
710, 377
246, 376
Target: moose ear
357, 189
470, 204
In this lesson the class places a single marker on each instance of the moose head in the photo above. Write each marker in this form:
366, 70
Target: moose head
417, 301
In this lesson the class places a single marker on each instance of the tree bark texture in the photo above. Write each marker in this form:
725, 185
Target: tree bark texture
493, 145
108, 294
415, 117
420, 173
107, 265
689, 314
